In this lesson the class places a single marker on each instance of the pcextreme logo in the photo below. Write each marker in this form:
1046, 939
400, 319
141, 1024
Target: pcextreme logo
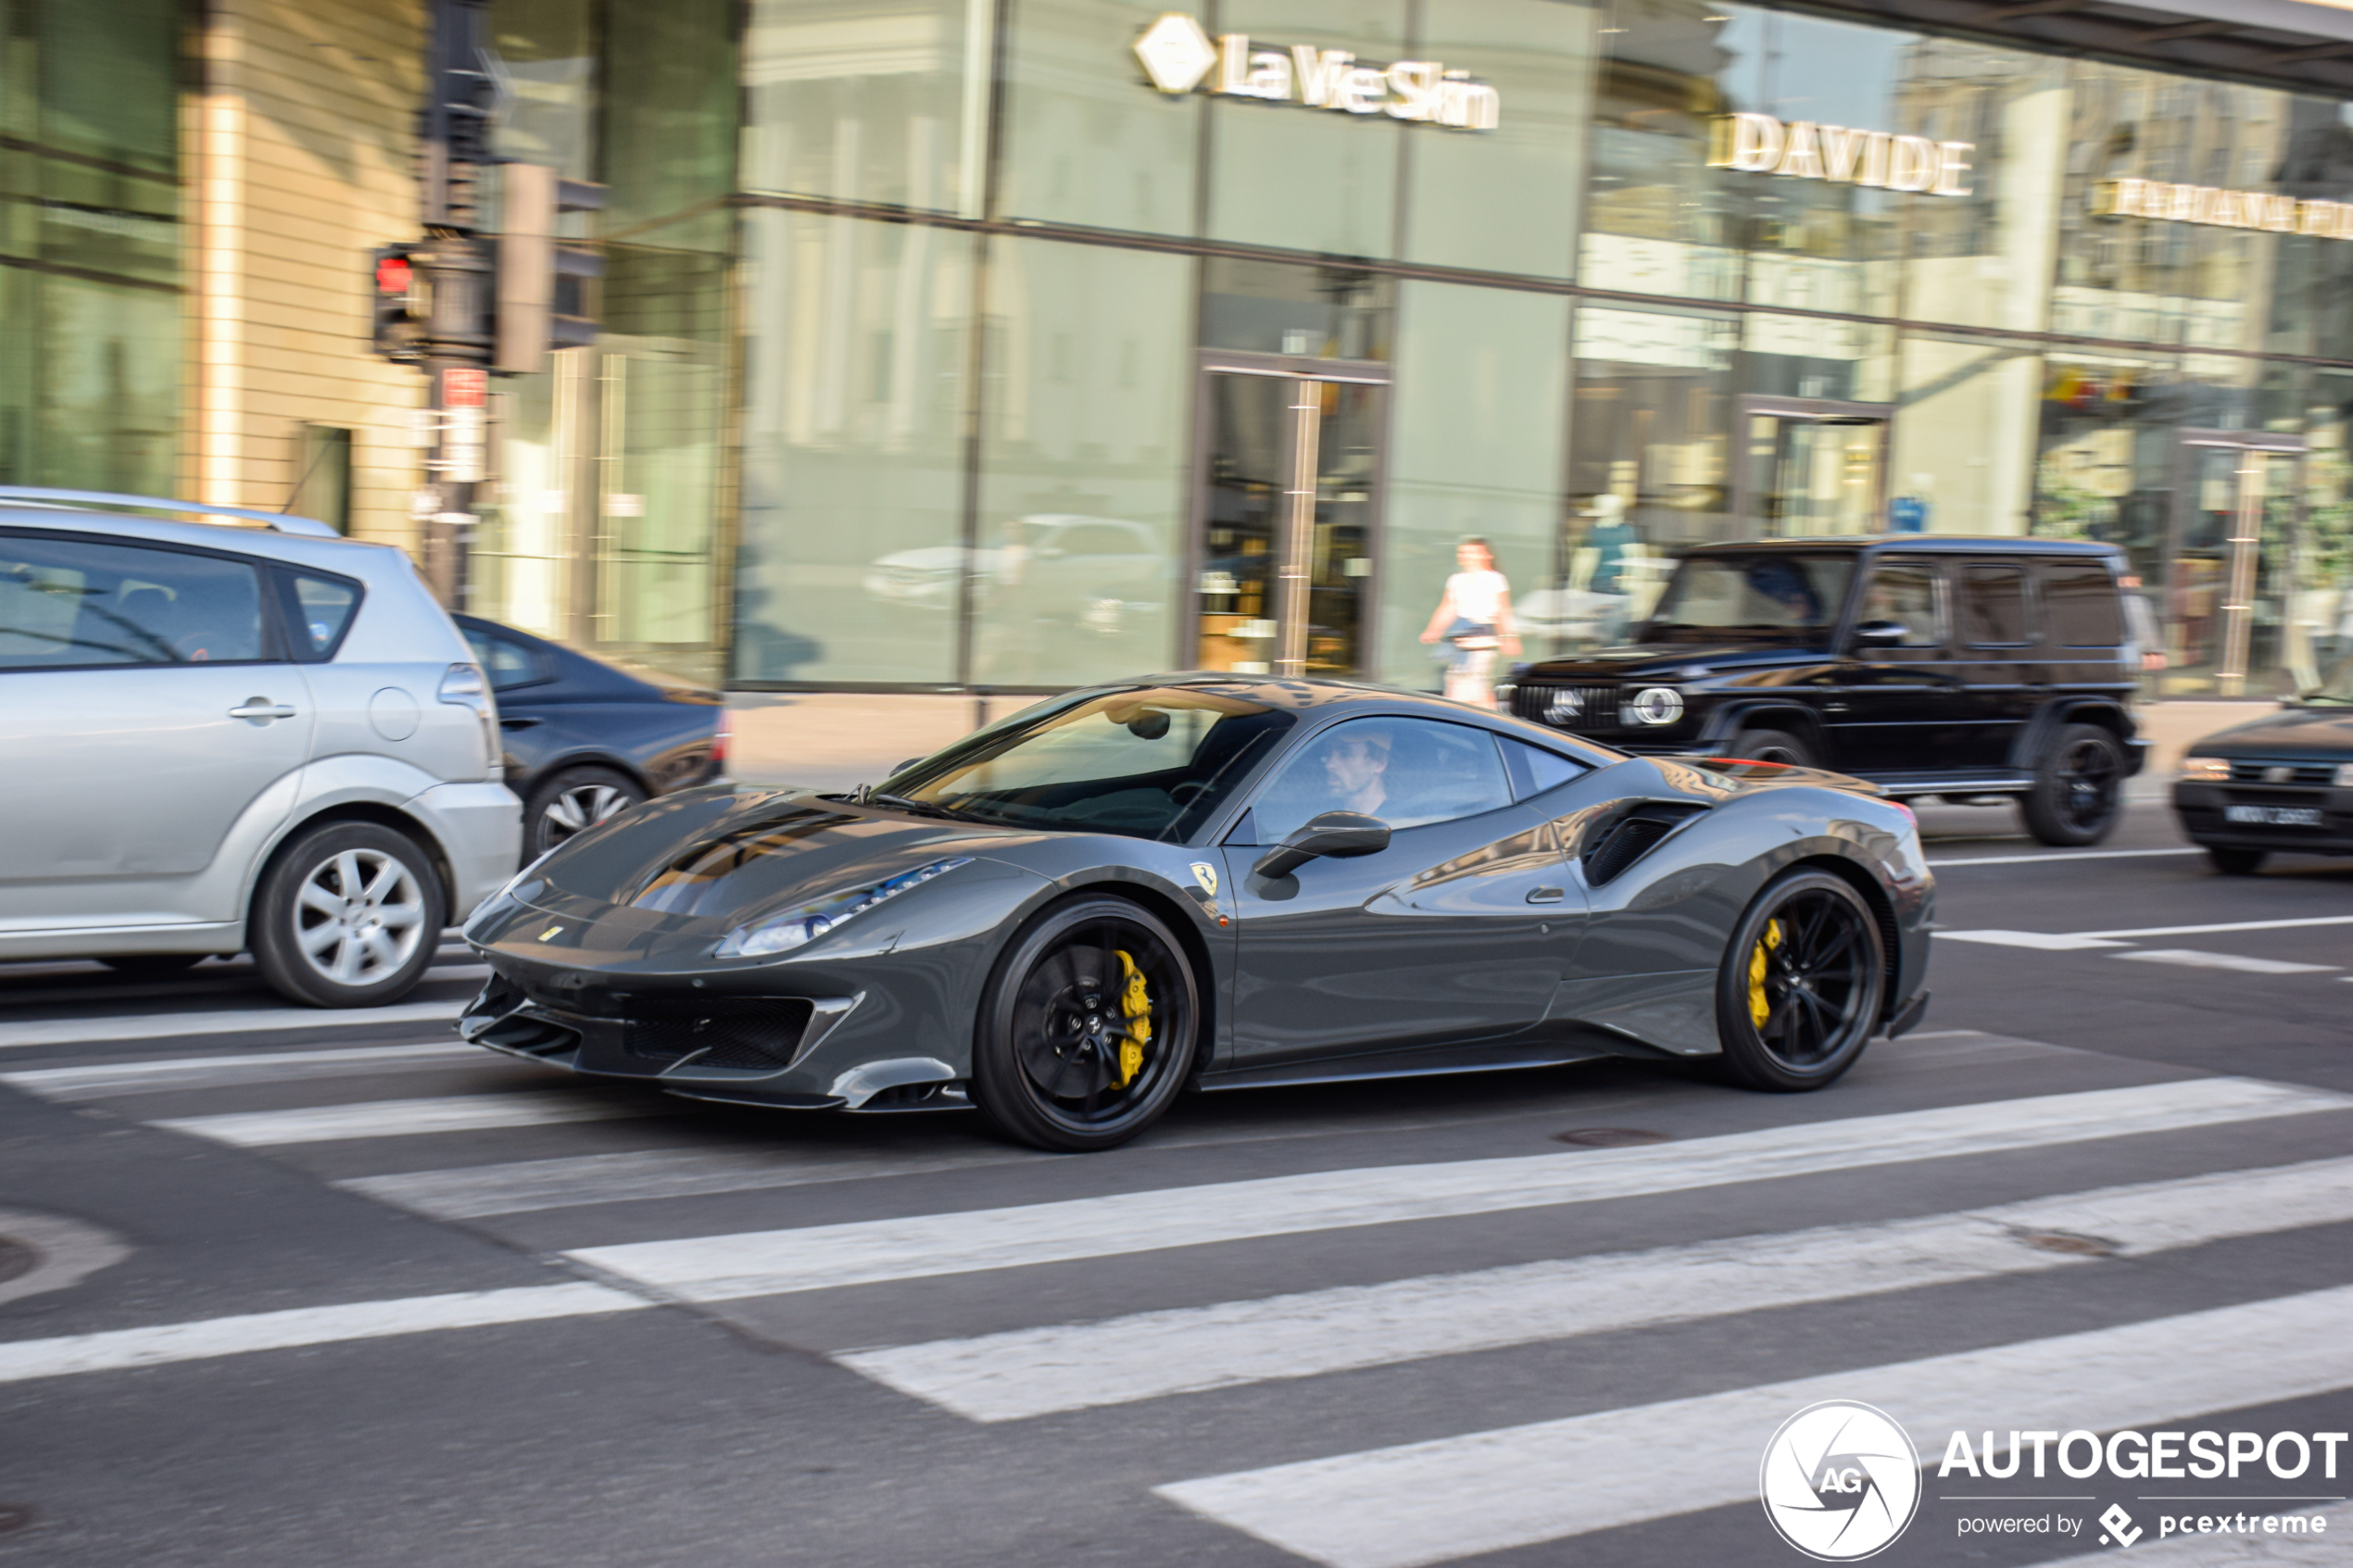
1839, 1481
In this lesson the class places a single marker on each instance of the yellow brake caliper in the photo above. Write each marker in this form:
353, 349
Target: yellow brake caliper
1135, 1001
1759, 1008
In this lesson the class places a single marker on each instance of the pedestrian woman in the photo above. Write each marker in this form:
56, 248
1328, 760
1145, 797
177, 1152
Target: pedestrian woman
1474, 618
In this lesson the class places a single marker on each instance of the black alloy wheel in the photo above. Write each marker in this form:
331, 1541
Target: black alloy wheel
2078, 790
1088, 1028
1771, 745
2235, 862
571, 802
1802, 986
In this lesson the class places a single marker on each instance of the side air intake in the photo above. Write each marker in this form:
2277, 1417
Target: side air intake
1630, 838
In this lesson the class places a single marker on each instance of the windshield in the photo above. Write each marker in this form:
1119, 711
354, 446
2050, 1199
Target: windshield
1767, 595
1154, 763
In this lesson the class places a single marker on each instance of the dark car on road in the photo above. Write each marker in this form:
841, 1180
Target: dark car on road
2282, 782
585, 740
1066, 918
1979, 670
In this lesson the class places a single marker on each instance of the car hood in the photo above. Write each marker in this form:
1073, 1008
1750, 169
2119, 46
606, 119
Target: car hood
702, 862
2321, 734
1668, 661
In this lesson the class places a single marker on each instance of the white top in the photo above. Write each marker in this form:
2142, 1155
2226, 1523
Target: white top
1478, 596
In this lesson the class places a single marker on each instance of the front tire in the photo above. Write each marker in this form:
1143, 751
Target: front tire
1771, 745
1802, 986
2235, 862
1088, 1029
348, 915
2079, 789
571, 802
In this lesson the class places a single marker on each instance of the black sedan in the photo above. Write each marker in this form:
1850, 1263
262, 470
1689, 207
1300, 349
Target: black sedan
2283, 781
1218, 881
585, 740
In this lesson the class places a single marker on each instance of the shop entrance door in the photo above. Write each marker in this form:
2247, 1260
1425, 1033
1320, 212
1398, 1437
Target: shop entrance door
2229, 596
1286, 498
1810, 466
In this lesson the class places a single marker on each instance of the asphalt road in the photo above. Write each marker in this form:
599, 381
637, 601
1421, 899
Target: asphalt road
302, 1292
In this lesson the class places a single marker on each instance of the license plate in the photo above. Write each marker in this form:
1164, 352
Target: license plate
2273, 816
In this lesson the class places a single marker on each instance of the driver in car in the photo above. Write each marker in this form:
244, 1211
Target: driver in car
1783, 583
1358, 768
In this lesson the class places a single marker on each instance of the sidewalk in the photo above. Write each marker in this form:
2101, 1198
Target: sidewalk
837, 740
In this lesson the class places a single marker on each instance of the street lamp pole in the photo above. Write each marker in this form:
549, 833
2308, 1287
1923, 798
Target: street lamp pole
455, 345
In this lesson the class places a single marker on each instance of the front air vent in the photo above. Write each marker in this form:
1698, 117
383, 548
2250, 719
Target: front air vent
1633, 836
760, 1033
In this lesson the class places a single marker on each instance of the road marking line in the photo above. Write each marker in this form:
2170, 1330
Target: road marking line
824, 1257
107, 1079
2052, 942
2056, 855
406, 1118
306, 1325
2190, 958
1032, 1371
2233, 925
1490, 1491
167, 1025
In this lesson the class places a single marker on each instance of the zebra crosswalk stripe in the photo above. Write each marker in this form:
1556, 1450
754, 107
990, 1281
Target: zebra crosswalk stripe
1456, 1496
817, 1258
1147, 1355
103, 1079
242, 1021
405, 1118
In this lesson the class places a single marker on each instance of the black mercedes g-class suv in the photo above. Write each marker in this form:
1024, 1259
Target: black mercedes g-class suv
1973, 670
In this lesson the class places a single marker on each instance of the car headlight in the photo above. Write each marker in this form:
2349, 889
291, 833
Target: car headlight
805, 922
2205, 769
1653, 705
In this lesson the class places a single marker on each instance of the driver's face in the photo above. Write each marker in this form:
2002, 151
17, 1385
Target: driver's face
1353, 764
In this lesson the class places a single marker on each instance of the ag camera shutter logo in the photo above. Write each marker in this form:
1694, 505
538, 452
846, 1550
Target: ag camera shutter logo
1839, 1481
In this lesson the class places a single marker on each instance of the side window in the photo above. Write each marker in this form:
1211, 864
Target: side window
2081, 606
72, 603
318, 613
507, 663
1993, 607
1406, 771
1904, 595
1534, 770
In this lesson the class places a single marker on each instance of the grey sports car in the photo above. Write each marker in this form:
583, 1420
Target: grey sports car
1214, 881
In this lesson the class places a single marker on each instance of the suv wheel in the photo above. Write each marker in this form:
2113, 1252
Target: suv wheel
1771, 745
574, 801
2078, 790
348, 915
2234, 862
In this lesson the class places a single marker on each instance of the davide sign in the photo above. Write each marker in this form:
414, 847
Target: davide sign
1179, 57
1759, 143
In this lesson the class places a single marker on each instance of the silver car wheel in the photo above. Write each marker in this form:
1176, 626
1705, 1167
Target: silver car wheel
581, 807
360, 917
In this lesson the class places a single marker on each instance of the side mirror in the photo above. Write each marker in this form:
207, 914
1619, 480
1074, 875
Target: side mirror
1881, 634
1335, 834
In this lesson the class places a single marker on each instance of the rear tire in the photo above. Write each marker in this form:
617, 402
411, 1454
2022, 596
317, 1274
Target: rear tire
573, 802
2235, 862
348, 915
1076, 1050
1807, 957
2079, 789
1771, 745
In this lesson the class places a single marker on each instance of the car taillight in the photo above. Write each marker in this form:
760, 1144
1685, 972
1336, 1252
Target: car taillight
463, 686
720, 739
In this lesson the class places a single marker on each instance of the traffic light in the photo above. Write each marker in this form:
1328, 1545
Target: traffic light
546, 285
397, 288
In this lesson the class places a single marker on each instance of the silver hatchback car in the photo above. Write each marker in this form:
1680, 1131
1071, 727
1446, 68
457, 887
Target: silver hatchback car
220, 738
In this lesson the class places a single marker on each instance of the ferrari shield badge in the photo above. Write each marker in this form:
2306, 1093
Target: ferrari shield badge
1206, 875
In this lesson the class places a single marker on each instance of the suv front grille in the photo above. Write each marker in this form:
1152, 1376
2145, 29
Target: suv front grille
756, 1033
2310, 775
1571, 706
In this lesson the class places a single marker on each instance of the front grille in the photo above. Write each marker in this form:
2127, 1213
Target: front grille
762, 1033
2310, 775
1569, 706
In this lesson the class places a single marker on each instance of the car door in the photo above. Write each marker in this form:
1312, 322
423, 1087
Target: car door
1458, 931
2003, 667
1901, 707
147, 714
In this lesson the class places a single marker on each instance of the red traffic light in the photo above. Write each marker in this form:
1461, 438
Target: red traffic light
393, 275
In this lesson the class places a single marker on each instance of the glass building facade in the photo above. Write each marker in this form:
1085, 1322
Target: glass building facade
1047, 373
